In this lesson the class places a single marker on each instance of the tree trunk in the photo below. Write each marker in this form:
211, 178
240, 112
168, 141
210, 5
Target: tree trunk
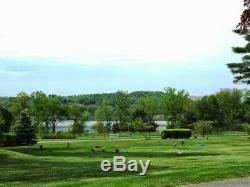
54, 127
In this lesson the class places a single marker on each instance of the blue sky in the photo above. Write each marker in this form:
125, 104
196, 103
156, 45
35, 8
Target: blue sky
76, 47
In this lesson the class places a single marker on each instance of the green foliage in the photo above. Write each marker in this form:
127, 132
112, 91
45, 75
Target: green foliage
77, 128
100, 128
56, 112
47, 110
176, 133
203, 128
146, 108
79, 118
7, 139
58, 135
104, 114
122, 105
115, 128
225, 109
174, 105
19, 103
241, 70
24, 130
6, 120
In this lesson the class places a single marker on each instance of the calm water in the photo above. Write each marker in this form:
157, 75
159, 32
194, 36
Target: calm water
64, 125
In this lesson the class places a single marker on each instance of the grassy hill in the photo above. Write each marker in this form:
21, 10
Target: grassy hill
223, 156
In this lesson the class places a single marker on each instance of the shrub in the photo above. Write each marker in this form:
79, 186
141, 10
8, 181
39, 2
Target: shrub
58, 135
176, 133
100, 128
8, 139
203, 127
246, 128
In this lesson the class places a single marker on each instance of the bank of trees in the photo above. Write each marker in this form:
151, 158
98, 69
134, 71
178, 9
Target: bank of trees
123, 111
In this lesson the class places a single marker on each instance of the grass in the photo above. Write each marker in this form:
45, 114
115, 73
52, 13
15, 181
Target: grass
224, 156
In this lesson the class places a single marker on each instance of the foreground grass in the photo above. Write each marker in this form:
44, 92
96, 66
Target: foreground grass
224, 156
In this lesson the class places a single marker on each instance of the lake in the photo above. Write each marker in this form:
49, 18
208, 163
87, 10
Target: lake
64, 125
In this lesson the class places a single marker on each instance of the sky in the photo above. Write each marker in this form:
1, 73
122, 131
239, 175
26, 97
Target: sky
69, 47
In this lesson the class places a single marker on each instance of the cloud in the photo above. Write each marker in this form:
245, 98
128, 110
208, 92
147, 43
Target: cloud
80, 31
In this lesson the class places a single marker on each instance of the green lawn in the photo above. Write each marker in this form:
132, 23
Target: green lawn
224, 156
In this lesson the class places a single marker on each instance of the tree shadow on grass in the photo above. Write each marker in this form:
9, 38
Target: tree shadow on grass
107, 154
35, 170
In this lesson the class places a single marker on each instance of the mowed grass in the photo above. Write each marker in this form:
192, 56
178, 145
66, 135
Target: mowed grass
224, 156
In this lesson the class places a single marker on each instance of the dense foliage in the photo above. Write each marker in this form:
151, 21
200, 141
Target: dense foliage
123, 111
24, 130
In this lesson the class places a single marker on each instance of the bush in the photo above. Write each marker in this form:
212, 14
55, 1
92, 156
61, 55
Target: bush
58, 135
8, 139
246, 128
100, 128
176, 133
203, 127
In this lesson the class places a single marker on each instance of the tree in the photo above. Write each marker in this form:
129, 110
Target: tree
203, 127
56, 112
47, 111
139, 125
100, 128
231, 108
241, 70
104, 114
79, 118
38, 109
145, 109
6, 120
19, 103
122, 105
25, 130
225, 109
246, 106
174, 105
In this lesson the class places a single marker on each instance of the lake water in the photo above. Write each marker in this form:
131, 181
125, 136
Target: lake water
64, 125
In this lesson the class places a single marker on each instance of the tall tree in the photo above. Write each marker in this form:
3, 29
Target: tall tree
241, 70
19, 103
25, 130
225, 109
79, 117
56, 112
174, 105
6, 119
122, 112
104, 114
145, 109
39, 101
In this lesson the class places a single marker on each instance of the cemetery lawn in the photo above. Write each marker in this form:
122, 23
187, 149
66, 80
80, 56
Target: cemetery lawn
224, 156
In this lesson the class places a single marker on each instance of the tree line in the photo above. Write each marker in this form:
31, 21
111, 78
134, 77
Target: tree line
122, 111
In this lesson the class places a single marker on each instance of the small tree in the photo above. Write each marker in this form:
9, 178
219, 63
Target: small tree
79, 118
100, 128
104, 114
203, 128
139, 125
25, 131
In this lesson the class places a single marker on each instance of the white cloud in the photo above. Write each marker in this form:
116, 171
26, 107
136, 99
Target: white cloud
97, 31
